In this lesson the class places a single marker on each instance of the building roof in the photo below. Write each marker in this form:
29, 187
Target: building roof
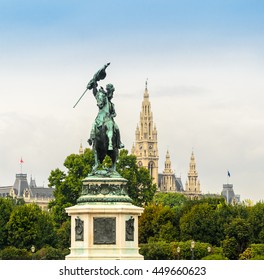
21, 185
42, 192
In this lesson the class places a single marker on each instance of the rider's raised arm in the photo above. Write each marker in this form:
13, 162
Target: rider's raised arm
93, 85
95, 88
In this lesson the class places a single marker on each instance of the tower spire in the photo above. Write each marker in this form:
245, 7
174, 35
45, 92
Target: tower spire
146, 94
192, 186
168, 182
146, 144
81, 149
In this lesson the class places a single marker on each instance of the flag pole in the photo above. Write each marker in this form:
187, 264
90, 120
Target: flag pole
21, 162
228, 176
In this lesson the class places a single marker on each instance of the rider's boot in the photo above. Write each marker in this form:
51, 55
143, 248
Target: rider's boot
90, 141
121, 146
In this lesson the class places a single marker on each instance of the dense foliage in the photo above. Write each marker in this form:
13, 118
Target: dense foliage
170, 218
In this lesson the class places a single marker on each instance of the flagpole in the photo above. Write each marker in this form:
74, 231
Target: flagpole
21, 162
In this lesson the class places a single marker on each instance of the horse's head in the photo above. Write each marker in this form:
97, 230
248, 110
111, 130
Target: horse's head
101, 99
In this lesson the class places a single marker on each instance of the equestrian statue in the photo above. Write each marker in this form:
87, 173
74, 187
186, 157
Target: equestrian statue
105, 135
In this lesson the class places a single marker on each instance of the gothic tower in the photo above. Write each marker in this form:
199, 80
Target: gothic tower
81, 151
192, 187
146, 143
168, 177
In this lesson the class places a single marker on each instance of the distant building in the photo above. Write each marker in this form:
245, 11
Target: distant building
168, 182
31, 193
229, 194
145, 149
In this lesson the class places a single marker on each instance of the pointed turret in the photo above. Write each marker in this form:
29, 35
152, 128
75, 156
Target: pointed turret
146, 94
167, 164
81, 151
192, 186
168, 181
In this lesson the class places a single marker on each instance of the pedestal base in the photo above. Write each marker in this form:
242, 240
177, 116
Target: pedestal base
104, 225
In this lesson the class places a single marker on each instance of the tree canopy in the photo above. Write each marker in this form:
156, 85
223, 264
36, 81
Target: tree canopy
29, 225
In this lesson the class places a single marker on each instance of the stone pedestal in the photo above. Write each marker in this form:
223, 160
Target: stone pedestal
104, 223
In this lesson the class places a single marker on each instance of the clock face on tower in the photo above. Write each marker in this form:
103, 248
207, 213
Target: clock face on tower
150, 147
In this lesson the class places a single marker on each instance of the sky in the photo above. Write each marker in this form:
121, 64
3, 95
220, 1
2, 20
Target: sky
203, 60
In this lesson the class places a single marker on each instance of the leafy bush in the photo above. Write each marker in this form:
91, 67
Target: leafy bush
215, 257
50, 253
168, 251
253, 252
156, 251
13, 253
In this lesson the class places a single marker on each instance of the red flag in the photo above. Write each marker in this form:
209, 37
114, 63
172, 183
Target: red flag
21, 161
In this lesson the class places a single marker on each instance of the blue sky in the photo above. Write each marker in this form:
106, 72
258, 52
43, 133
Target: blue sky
203, 60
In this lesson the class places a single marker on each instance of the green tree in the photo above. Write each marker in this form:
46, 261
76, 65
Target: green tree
6, 208
223, 215
170, 199
230, 248
239, 229
199, 223
256, 219
64, 235
157, 224
68, 186
29, 225
140, 186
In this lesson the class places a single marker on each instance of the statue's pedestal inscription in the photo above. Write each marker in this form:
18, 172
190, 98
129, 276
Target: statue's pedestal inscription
104, 223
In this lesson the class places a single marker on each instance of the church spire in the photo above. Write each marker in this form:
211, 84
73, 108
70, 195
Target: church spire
168, 183
146, 144
146, 94
167, 163
192, 186
81, 151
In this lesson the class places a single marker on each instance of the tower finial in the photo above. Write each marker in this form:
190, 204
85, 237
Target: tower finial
146, 95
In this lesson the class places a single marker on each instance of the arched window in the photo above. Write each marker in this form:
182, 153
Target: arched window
151, 166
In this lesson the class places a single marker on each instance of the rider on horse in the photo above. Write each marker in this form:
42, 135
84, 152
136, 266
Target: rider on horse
107, 117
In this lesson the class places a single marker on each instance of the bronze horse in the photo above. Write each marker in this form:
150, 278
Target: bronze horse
105, 141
